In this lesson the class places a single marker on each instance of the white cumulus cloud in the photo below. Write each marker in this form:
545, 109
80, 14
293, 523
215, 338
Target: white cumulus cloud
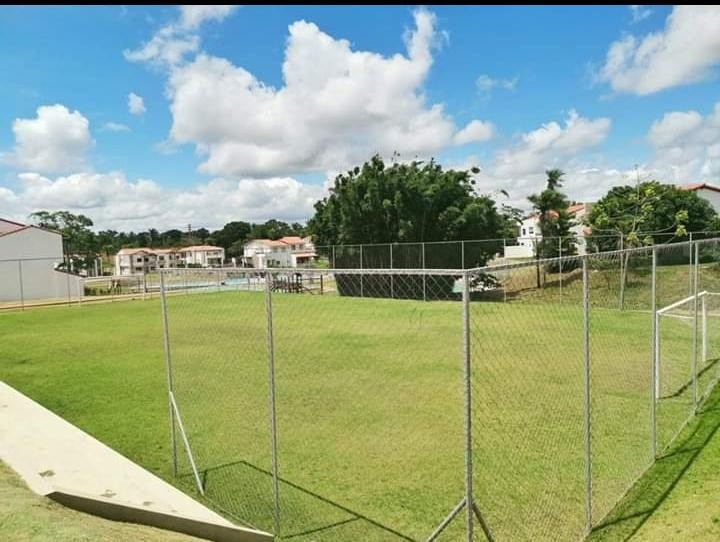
686, 51
476, 131
686, 146
520, 168
639, 13
113, 201
174, 41
486, 84
337, 106
114, 127
136, 104
55, 141
193, 16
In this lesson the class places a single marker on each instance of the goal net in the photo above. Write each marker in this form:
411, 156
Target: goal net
686, 346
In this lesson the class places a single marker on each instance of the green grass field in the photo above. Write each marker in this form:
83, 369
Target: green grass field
369, 401
25, 517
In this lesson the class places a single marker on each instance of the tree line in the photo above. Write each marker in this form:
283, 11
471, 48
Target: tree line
419, 201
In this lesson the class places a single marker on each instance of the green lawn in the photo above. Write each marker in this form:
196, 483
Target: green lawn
26, 517
370, 404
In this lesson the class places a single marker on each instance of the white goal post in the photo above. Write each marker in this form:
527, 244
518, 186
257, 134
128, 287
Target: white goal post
684, 309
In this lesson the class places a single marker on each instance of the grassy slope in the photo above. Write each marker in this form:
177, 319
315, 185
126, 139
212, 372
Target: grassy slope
369, 404
677, 499
25, 516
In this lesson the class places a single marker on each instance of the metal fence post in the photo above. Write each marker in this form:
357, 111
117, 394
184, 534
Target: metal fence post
560, 265
695, 327
168, 371
362, 294
22, 290
462, 254
587, 413
690, 274
392, 282
333, 257
704, 330
655, 369
469, 501
67, 285
271, 397
424, 275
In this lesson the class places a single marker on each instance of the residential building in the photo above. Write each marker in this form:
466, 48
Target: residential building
202, 255
530, 233
291, 251
707, 192
137, 261
29, 258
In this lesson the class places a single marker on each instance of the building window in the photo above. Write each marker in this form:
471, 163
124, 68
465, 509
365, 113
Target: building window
523, 232
530, 230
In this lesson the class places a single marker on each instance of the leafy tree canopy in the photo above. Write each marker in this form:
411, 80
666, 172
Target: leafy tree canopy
651, 212
408, 202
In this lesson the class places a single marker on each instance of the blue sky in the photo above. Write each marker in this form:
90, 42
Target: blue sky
224, 134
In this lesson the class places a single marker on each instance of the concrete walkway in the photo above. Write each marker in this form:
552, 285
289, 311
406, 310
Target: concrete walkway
55, 457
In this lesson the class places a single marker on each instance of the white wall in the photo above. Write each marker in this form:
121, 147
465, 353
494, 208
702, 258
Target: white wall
39, 251
31, 243
712, 196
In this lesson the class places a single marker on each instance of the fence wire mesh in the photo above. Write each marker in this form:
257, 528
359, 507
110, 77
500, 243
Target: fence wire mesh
329, 404
37, 281
527, 389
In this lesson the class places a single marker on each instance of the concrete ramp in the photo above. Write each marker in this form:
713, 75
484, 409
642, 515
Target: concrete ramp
57, 459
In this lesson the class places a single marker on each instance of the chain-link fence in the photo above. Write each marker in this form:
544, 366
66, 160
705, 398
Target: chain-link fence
513, 402
469, 254
37, 281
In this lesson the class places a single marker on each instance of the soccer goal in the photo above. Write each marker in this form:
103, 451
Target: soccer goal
682, 342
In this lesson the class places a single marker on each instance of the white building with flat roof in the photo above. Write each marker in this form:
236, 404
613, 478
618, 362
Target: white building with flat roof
29, 257
290, 251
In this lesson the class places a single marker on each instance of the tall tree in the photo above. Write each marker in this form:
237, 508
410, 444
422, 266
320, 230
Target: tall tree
79, 240
551, 207
648, 213
409, 202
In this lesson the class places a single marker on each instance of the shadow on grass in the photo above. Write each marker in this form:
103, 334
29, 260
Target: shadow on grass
243, 491
646, 496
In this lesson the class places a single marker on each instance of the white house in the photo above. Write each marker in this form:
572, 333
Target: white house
203, 255
707, 192
29, 256
530, 232
289, 251
137, 261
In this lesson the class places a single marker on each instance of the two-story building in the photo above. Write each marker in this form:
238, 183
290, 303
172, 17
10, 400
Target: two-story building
202, 255
530, 233
138, 261
290, 251
29, 261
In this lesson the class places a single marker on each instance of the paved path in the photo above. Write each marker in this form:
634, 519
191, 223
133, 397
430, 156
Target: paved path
53, 455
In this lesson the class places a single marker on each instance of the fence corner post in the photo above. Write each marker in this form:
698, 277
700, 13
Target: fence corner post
654, 355
587, 393
467, 369
272, 403
168, 371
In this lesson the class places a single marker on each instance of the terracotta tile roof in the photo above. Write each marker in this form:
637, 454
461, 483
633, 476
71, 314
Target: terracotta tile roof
700, 186
199, 248
292, 240
127, 251
7, 226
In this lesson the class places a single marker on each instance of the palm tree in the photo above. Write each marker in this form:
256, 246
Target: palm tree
554, 178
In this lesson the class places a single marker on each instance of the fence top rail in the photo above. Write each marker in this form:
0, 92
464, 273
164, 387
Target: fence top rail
647, 249
574, 237
313, 271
